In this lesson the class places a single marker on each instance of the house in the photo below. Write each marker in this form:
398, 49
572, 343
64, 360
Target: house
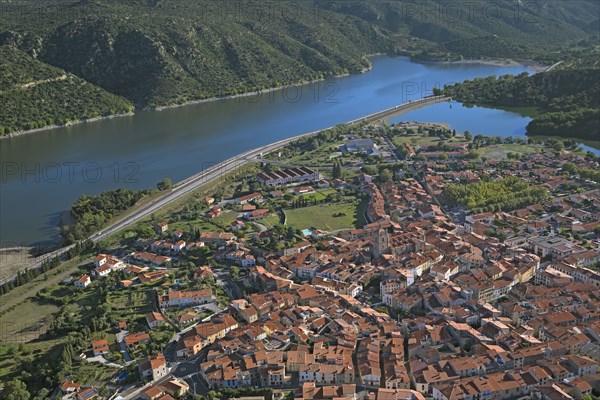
154, 319
179, 246
151, 258
100, 259
187, 317
237, 225
429, 211
100, 347
69, 387
554, 246
154, 393
135, 270
303, 190
247, 260
246, 311
185, 299
87, 394
552, 391
83, 282
102, 271
177, 234
217, 238
125, 283
162, 227
175, 387
115, 264
153, 367
484, 218
203, 272
248, 207
161, 246
584, 258
151, 276
137, 338
257, 214
214, 212
248, 198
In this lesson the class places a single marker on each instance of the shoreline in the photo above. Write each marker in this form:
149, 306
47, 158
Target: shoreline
236, 96
497, 62
257, 92
73, 123
508, 62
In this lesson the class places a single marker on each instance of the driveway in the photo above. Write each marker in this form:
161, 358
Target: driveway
102, 360
121, 340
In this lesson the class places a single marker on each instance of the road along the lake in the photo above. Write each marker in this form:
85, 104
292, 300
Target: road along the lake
189, 185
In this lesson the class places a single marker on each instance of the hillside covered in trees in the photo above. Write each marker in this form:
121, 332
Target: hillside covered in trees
567, 101
164, 52
34, 95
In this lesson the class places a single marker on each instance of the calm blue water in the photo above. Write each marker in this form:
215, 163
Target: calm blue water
477, 120
44, 173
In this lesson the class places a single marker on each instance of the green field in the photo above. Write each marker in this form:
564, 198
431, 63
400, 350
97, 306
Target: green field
271, 220
204, 224
318, 194
499, 151
322, 216
26, 322
319, 157
422, 140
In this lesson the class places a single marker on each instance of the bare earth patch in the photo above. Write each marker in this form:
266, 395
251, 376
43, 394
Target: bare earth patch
12, 260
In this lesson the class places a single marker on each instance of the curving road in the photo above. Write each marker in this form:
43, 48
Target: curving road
190, 184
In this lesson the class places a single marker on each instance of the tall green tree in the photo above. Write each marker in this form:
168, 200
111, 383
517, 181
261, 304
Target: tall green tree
15, 390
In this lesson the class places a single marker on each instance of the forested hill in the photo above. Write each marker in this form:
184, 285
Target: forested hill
34, 95
165, 52
567, 102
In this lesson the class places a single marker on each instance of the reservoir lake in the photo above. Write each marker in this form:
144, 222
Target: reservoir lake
44, 173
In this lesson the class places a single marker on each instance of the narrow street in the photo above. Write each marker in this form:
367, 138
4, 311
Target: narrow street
123, 347
232, 289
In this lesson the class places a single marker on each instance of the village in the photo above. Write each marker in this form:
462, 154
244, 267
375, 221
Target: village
365, 282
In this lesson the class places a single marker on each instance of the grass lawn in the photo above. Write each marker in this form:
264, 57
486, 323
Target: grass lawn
225, 219
318, 194
26, 321
206, 224
322, 216
271, 220
499, 151
421, 140
130, 305
52, 277
319, 157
